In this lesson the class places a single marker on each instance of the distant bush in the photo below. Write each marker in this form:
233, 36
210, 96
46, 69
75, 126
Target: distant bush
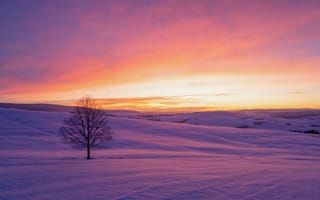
315, 125
312, 131
259, 119
183, 121
296, 131
243, 126
155, 119
146, 116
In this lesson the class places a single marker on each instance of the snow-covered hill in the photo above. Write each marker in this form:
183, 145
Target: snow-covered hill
289, 120
151, 159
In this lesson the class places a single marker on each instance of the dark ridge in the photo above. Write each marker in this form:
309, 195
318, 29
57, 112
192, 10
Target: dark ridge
37, 107
55, 108
297, 114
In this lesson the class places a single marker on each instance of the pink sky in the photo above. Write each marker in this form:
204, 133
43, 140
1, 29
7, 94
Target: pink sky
162, 54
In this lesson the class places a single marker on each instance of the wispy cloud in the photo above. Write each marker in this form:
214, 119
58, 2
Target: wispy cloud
177, 103
298, 93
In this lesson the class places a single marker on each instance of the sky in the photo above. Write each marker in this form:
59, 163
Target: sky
162, 55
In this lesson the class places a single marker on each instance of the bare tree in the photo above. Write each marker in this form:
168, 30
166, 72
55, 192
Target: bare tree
87, 126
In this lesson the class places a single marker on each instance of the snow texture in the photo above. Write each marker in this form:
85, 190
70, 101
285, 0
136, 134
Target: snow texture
163, 156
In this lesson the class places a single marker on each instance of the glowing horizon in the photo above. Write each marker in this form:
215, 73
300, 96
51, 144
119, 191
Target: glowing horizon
158, 55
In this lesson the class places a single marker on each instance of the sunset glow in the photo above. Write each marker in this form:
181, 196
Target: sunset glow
162, 55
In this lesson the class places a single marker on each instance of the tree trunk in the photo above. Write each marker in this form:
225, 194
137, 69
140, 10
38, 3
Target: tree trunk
88, 152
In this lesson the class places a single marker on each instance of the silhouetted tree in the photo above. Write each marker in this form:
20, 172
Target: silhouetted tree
87, 126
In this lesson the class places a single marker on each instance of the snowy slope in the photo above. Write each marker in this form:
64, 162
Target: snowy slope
289, 120
155, 160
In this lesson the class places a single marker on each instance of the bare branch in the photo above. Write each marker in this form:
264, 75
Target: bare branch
87, 126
